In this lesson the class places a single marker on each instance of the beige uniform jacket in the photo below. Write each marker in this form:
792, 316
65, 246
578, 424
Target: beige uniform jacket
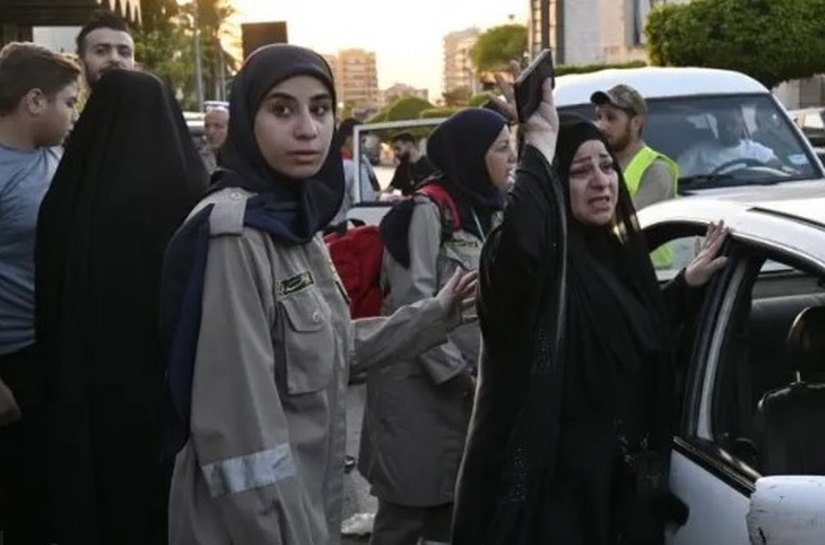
264, 462
414, 429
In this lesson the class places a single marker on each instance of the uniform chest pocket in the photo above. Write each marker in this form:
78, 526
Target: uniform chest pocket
309, 342
463, 252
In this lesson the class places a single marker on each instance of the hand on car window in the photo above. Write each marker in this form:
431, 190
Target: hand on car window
707, 260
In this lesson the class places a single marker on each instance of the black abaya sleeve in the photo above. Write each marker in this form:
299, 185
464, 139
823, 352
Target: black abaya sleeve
517, 254
508, 451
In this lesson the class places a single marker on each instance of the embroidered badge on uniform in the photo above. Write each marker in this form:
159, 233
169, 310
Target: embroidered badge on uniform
463, 243
296, 283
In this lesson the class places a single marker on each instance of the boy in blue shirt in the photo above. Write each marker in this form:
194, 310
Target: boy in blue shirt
38, 95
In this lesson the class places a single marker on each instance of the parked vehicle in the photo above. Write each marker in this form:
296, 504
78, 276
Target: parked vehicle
749, 456
812, 123
684, 107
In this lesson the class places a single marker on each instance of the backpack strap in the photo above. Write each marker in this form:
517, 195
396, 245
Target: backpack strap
444, 201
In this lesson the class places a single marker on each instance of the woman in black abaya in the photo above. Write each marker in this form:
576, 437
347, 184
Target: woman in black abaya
128, 178
577, 372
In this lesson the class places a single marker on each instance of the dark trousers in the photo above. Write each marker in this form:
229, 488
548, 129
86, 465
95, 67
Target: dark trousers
403, 525
22, 466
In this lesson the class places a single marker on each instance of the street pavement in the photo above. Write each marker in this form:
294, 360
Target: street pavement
357, 498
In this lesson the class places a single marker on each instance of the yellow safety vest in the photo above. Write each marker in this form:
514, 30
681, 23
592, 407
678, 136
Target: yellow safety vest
662, 257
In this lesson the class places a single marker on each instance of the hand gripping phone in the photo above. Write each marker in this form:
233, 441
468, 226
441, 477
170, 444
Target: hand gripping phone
528, 85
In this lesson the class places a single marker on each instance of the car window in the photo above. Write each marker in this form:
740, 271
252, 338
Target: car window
761, 413
720, 141
673, 256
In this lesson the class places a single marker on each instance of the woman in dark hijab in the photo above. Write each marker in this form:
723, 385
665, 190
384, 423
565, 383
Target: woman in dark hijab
128, 177
576, 379
416, 415
256, 324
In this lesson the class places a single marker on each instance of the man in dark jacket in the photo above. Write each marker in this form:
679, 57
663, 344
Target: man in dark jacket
413, 166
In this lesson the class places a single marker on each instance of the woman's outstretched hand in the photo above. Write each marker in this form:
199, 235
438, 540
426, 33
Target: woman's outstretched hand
542, 129
457, 295
707, 260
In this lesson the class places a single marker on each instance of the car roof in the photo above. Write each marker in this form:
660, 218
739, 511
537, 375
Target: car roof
807, 209
797, 226
656, 82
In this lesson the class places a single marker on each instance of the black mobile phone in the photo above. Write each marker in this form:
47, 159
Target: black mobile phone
528, 85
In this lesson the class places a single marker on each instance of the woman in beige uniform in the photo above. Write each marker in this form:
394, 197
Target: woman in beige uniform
256, 323
417, 411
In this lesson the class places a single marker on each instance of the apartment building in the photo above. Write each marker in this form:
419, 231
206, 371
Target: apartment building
458, 66
591, 31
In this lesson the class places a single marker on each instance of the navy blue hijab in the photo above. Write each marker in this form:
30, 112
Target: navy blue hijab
458, 148
290, 211
299, 208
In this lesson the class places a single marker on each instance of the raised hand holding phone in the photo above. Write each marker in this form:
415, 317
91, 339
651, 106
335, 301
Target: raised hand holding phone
540, 128
529, 83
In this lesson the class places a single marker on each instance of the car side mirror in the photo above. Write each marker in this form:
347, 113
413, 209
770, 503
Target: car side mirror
787, 510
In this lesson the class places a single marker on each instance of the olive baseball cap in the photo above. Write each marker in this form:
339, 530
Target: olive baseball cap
623, 97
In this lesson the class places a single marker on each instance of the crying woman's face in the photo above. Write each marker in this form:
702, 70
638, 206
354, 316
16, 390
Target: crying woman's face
594, 184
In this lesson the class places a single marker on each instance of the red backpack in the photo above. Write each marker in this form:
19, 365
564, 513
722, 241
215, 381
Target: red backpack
357, 253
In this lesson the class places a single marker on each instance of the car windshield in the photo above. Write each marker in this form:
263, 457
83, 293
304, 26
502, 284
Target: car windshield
721, 141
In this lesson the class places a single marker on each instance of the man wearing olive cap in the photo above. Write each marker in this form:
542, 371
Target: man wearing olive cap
650, 175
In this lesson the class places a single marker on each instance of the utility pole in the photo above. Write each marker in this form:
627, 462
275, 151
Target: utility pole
198, 60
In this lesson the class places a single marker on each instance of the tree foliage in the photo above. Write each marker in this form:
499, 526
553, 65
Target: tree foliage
496, 47
479, 99
460, 96
407, 108
435, 113
164, 45
772, 41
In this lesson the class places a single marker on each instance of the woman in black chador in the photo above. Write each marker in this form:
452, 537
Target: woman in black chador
575, 397
128, 178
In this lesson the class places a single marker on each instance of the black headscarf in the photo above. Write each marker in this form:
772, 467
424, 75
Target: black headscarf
458, 148
128, 178
616, 322
300, 207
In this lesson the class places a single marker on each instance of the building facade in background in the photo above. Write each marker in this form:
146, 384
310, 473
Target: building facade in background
356, 79
458, 65
591, 31
402, 90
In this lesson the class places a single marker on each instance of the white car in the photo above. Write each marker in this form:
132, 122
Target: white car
749, 457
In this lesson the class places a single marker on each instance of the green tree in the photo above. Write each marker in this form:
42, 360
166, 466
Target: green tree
772, 41
435, 113
407, 108
496, 47
217, 62
460, 96
163, 47
479, 99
